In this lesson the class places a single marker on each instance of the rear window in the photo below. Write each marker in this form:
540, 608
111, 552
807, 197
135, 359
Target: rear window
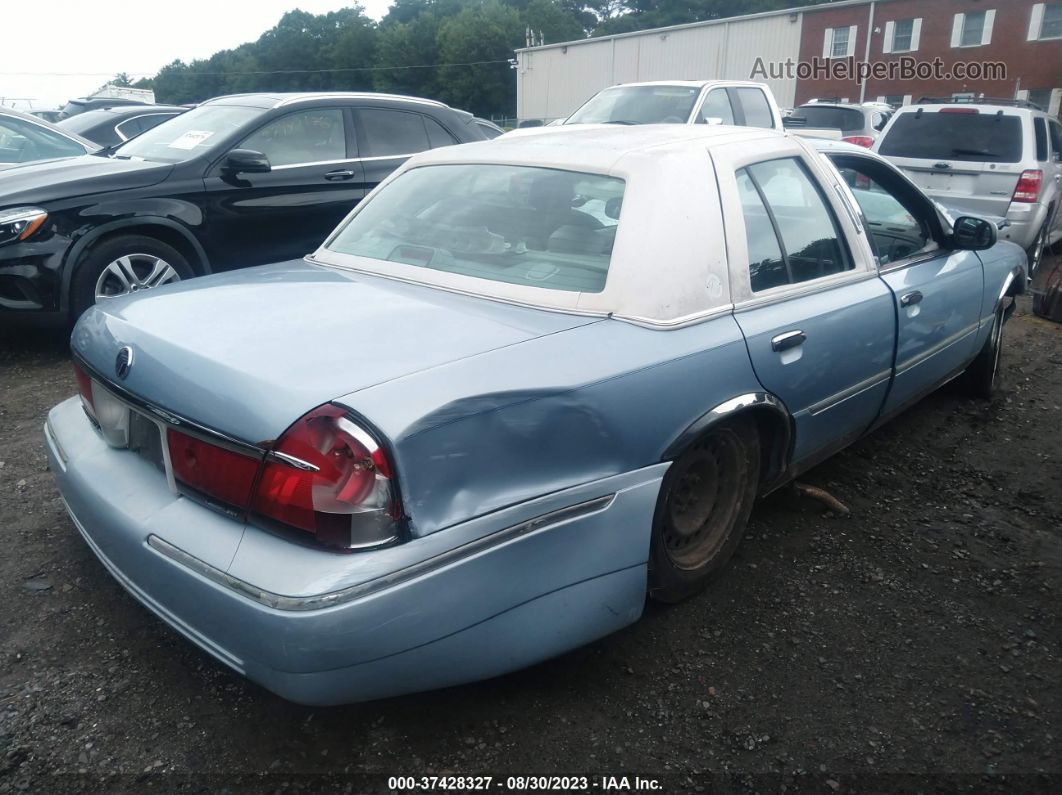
935, 135
638, 105
829, 118
536, 227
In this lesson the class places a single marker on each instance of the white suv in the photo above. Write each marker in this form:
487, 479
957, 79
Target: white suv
985, 156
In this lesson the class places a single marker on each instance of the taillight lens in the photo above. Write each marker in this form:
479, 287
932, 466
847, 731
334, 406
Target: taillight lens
329, 477
215, 472
1029, 183
84, 387
859, 140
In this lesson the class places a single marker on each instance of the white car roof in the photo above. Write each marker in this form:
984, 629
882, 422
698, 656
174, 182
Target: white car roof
671, 217
686, 83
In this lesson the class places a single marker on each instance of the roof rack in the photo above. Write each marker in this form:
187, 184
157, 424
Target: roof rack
1015, 103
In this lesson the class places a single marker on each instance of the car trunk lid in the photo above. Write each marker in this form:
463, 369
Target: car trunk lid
262, 346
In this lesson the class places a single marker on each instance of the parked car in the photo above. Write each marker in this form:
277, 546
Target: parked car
50, 116
489, 128
682, 102
27, 139
994, 157
858, 124
84, 104
112, 126
521, 385
237, 181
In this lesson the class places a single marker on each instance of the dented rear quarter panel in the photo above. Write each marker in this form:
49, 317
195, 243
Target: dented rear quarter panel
509, 425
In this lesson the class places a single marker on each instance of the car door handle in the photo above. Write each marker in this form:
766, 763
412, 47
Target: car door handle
790, 339
341, 174
911, 298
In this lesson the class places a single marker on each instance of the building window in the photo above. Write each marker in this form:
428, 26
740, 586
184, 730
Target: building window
902, 35
1045, 21
839, 42
973, 29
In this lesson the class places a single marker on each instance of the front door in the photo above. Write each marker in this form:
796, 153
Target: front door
936, 292
315, 180
817, 321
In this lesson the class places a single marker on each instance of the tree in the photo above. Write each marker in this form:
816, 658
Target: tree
481, 39
403, 50
121, 79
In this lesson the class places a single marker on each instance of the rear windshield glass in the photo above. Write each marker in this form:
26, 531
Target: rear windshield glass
638, 105
536, 227
978, 137
829, 118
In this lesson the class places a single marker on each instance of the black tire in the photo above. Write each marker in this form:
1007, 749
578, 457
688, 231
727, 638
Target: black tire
139, 249
983, 373
702, 510
1035, 252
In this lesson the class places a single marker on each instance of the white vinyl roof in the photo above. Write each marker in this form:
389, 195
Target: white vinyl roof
669, 242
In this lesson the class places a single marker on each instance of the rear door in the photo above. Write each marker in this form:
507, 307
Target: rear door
937, 292
967, 157
315, 180
818, 322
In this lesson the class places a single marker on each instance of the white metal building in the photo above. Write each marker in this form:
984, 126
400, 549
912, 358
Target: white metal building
554, 80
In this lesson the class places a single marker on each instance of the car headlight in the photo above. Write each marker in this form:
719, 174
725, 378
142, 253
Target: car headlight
20, 223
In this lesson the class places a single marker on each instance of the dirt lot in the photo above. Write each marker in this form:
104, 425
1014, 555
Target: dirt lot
913, 646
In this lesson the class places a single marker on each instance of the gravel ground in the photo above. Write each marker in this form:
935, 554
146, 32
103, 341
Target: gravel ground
914, 646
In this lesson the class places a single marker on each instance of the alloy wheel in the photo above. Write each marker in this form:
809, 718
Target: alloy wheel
134, 273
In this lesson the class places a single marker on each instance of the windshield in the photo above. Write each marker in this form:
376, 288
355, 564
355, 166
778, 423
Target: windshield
954, 135
825, 117
188, 135
638, 105
536, 227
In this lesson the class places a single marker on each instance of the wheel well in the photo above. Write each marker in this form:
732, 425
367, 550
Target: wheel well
170, 237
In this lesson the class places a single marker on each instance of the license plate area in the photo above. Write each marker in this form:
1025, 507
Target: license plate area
145, 439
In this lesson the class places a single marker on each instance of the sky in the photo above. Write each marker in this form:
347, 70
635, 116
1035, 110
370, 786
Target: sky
82, 44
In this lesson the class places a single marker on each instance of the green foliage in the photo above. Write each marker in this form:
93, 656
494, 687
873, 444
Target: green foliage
428, 48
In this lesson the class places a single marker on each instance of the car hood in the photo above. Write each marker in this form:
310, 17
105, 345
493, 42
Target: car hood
47, 180
249, 352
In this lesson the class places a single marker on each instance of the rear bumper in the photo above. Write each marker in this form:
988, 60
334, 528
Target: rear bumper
469, 602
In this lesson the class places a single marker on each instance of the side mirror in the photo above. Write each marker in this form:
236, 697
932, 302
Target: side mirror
973, 234
246, 161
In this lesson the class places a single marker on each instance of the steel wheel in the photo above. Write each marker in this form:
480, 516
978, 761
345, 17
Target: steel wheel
133, 273
704, 501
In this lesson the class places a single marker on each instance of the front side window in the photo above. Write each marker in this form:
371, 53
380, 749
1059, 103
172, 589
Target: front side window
534, 227
717, 106
638, 105
23, 141
306, 136
896, 232
755, 107
805, 229
190, 134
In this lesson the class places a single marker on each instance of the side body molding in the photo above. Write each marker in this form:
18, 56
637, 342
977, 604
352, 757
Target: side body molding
761, 404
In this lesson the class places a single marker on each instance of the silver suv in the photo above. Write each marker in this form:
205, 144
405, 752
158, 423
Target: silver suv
986, 156
857, 124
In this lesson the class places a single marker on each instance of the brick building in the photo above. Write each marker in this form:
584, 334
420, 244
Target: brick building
1023, 36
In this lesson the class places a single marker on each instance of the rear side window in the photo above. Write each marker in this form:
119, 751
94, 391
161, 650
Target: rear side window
391, 132
805, 232
954, 135
717, 106
437, 134
1040, 129
755, 107
1056, 138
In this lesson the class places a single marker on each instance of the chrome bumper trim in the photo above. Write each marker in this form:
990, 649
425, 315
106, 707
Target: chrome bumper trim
321, 601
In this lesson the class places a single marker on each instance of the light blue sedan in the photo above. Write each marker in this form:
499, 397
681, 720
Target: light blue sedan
521, 386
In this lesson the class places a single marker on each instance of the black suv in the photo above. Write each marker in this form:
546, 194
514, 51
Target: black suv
238, 181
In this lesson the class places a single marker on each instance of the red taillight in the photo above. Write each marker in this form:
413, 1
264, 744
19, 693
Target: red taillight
859, 140
84, 387
328, 477
213, 471
1029, 183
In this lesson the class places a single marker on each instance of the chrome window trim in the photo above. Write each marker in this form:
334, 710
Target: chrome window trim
357, 96
339, 162
916, 259
787, 292
384, 582
123, 136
